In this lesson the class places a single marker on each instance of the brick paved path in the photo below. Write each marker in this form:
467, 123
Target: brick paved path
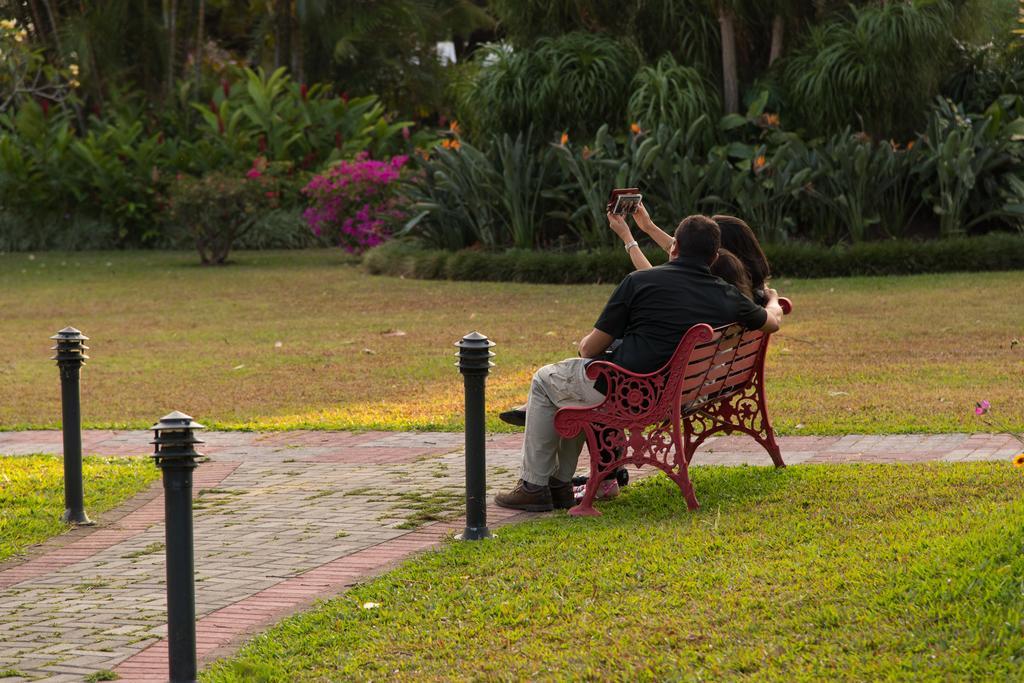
283, 519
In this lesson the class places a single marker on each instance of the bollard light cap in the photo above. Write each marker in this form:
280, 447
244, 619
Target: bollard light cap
70, 348
474, 354
69, 334
176, 420
174, 441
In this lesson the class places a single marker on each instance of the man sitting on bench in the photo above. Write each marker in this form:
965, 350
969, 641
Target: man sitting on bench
650, 311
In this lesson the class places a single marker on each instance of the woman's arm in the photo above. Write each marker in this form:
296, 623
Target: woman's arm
644, 222
620, 228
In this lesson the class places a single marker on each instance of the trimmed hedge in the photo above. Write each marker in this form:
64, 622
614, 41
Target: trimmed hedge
995, 251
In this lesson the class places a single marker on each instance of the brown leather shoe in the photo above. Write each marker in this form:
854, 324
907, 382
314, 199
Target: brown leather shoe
520, 498
562, 497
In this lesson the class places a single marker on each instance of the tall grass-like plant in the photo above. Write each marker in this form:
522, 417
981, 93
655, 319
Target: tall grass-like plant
964, 155
456, 200
684, 29
952, 159
495, 197
501, 91
875, 70
574, 82
766, 190
669, 94
588, 78
851, 181
525, 177
679, 176
589, 173
902, 199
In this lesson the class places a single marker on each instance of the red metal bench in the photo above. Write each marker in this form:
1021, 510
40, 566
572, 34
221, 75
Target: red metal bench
713, 383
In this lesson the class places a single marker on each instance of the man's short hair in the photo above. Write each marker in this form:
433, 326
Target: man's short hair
699, 236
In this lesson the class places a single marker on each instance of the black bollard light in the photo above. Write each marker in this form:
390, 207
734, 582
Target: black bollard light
474, 363
70, 359
175, 455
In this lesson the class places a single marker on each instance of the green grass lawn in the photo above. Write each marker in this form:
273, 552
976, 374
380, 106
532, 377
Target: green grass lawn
32, 494
283, 340
834, 572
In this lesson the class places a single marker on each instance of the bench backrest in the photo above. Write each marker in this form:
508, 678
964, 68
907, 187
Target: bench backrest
709, 364
721, 366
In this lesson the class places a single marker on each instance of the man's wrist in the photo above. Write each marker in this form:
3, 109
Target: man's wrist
630, 244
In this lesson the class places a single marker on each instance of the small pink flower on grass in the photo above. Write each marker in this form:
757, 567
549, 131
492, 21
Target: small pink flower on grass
981, 409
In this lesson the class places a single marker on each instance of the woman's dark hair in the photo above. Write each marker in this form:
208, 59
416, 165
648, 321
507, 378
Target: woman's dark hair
729, 267
738, 238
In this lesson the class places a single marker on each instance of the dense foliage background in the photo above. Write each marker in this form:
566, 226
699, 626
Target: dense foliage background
814, 120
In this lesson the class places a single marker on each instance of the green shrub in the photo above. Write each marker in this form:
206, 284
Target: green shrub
845, 188
219, 208
996, 251
667, 93
575, 82
965, 156
57, 168
271, 115
844, 73
33, 231
496, 196
684, 28
35, 148
282, 228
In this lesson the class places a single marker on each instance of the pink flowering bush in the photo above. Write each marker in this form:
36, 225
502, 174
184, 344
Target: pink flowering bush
353, 203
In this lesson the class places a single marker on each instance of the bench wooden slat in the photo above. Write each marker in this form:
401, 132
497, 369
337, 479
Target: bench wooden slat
734, 367
709, 390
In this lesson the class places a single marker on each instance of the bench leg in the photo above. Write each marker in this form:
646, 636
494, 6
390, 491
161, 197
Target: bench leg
601, 466
772, 447
746, 412
682, 476
686, 487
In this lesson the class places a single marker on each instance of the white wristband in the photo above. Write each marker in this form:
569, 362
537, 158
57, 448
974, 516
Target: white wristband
630, 245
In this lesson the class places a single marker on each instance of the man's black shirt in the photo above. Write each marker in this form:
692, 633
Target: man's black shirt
652, 309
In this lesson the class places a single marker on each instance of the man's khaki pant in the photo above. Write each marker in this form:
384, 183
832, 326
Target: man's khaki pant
545, 453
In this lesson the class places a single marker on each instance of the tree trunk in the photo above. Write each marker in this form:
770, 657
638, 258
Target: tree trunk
283, 31
56, 31
29, 15
730, 79
778, 35
172, 43
197, 57
298, 54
